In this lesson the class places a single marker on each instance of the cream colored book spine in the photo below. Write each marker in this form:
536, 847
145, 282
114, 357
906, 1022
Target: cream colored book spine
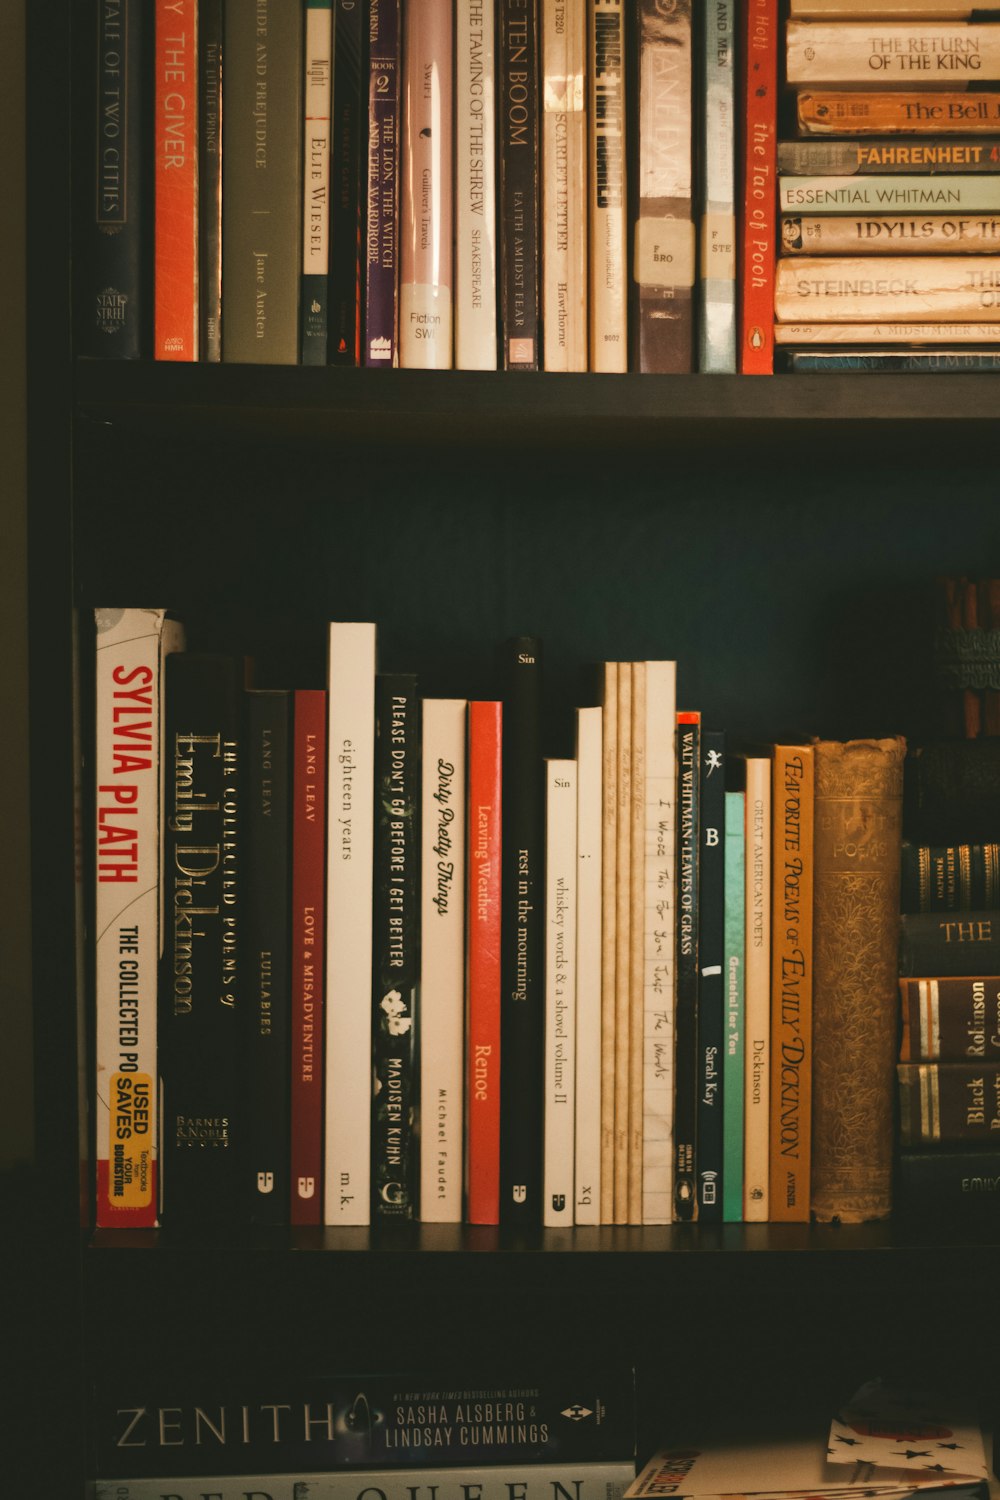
608, 226
637, 874
609, 908
564, 185
877, 10
659, 907
890, 234
887, 333
623, 939
933, 288
558, 1196
589, 824
937, 53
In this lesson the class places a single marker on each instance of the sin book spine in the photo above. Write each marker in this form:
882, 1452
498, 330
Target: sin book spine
347, 184
564, 185
608, 211
589, 774
131, 647
717, 172
858, 805
442, 958
381, 256
659, 942
686, 1029
425, 321
396, 940
558, 1192
483, 987
314, 299
791, 981
266, 1021
475, 186
210, 61
175, 301
523, 936
955, 1019
517, 136
261, 205
201, 989
309, 781
758, 234
110, 243
711, 975
664, 251
734, 979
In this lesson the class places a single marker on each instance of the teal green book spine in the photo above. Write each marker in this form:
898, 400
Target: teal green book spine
734, 937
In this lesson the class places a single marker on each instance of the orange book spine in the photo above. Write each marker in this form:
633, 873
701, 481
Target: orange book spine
759, 181
176, 179
482, 1155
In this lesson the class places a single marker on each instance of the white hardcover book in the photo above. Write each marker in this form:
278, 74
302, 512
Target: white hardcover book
425, 335
442, 959
475, 187
564, 185
560, 993
130, 647
757, 991
608, 227
589, 836
658, 944
350, 828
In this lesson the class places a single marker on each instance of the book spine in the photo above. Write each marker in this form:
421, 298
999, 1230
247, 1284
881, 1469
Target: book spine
589, 775
110, 309
686, 1028
261, 205
962, 193
396, 934
309, 787
483, 987
347, 187
953, 791
936, 943
735, 978
828, 112
210, 61
350, 801
564, 185
858, 802
585, 1481
664, 257
791, 982
946, 1181
950, 1019
861, 361
130, 651
942, 1104
659, 939
176, 181
623, 941
523, 934
518, 193
558, 1191
442, 958
711, 1037
758, 230
950, 877
757, 992
867, 10
314, 293
425, 313
884, 234
382, 194
849, 158
892, 52
717, 269
844, 289
609, 921
890, 333
608, 207
637, 933
266, 1019
199, 1004
475, 186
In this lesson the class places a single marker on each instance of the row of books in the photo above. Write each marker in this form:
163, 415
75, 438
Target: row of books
489, 183
890, 198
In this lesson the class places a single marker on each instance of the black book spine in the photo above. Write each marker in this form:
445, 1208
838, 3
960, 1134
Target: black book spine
210, 41
711, 987
522, 1009
266, 954
396, 942
941, 944
946, 1180
519, 209
109, 288
950, 877
200, 988
349, 145
686, 1014
951, 791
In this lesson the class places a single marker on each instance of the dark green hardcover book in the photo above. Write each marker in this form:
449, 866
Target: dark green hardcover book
262, 202
686, 1014
347, 182
949, 877
711, 982
944, 943
958, 1180
201, 987
266, 1022
522, 1007
210, 42
395, 946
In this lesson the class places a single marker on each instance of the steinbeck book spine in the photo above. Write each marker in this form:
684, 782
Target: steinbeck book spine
425, 312
475, 186
314, 308
483, 987
308, 931
558, 1194
845, 289
176, 181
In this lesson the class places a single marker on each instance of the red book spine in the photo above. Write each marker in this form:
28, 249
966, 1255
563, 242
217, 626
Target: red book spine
758, 187
307, 932
176, 178
482, 1155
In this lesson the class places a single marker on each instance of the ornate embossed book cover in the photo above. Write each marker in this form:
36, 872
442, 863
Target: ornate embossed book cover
858, 812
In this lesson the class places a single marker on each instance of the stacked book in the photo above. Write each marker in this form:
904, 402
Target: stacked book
890, 195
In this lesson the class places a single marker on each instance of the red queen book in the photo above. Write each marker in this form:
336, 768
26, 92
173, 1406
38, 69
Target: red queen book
482, 1156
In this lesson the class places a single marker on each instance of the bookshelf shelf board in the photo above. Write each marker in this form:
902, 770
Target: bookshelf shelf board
461, 408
